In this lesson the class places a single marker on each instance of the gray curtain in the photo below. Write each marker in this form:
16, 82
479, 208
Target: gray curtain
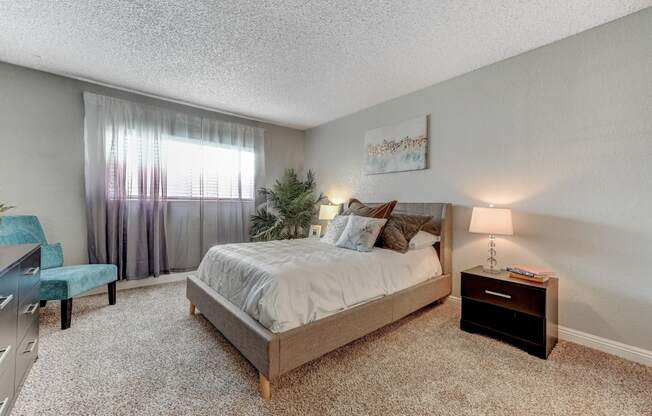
163, 187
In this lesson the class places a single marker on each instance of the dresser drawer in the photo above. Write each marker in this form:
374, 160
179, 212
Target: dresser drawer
505, 321
8, 307
517, 297
6, 393
7, 360
26, 353
19, 326
28, 310
30, 272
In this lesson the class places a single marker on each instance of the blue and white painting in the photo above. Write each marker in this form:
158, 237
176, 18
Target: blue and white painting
397, 148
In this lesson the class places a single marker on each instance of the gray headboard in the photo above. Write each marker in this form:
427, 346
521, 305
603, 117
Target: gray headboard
442, 214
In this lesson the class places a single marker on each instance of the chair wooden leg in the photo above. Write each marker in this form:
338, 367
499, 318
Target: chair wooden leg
66, 313
43, 303
112, 289
265, 387
192, 308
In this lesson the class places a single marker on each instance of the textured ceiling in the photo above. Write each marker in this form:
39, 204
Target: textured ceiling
296, 63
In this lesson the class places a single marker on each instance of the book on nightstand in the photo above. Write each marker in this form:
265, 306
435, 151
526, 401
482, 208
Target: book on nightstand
530, 273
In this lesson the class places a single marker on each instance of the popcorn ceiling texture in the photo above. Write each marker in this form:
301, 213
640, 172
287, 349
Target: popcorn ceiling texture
296, 63
147, 356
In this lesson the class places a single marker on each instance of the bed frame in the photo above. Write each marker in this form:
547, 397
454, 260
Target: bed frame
274, 354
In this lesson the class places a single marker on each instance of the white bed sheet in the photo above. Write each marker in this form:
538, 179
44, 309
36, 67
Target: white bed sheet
289, 283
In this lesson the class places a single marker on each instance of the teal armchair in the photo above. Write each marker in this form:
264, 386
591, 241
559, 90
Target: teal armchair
58, 282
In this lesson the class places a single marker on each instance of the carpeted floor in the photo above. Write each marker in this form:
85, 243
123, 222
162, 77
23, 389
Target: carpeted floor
147, 356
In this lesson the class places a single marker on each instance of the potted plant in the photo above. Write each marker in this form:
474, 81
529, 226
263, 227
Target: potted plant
4, 208
287, 208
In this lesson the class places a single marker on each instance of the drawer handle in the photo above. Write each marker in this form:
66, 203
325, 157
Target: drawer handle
5, 301
500, 295
3, 405
32, 345
32, 271
5, 353
30, 309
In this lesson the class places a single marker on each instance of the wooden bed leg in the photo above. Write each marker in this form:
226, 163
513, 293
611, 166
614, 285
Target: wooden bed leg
265, 387
192, 309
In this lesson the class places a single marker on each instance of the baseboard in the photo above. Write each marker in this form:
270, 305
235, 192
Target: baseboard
628, 352
149, 281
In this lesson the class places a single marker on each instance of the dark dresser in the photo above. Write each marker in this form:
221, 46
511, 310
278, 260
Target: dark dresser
518, 311
20, 288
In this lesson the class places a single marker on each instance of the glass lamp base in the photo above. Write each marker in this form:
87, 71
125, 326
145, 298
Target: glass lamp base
490, 265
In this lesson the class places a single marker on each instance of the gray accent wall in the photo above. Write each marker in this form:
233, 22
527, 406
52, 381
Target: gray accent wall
42, 151
561, 134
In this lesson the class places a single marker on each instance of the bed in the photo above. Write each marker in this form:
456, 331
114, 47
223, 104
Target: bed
280, 323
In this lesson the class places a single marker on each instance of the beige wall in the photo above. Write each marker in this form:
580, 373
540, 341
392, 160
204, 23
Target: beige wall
42, 153
563, 135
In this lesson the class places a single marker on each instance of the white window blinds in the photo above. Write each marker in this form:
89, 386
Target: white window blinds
191, 169
196, 170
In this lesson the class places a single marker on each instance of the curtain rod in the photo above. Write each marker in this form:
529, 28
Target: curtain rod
162, 98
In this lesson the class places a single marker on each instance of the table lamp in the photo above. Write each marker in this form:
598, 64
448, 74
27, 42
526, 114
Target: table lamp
492, 221
328, 212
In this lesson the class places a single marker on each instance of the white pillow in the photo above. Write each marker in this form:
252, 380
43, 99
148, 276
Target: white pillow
361, 233
335, 229
422, 240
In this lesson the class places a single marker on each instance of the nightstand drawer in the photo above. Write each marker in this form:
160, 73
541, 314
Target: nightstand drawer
504, 321
517, 297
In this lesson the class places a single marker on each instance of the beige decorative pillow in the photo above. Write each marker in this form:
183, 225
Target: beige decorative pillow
400, 229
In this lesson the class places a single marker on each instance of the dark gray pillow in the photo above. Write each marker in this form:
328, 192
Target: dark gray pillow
400, 229
432, 227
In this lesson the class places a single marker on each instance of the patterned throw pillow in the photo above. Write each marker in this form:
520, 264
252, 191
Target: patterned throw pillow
356, 207
335, 229
361, 233
400, 229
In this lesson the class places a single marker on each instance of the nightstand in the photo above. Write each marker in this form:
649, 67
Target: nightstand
517, 311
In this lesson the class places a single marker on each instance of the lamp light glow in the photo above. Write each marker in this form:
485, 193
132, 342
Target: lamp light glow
328, 212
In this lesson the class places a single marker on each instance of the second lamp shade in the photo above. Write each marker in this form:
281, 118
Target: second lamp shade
328, 212
491, 221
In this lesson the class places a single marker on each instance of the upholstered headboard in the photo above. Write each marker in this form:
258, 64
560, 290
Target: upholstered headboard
442, 224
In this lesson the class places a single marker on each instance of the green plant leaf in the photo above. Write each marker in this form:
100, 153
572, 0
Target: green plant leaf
287, 208
4, 207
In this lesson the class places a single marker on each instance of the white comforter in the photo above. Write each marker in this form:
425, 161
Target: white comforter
286, 284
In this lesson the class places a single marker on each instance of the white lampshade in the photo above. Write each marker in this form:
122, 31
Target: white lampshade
328, 212
491, 221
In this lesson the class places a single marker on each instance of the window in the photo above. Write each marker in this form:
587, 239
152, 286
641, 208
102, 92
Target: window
192, 169
223, 172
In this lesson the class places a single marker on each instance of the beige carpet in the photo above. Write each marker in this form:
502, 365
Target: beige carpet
146, 356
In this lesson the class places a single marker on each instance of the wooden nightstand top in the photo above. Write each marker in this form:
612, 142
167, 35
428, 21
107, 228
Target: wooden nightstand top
504, 276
